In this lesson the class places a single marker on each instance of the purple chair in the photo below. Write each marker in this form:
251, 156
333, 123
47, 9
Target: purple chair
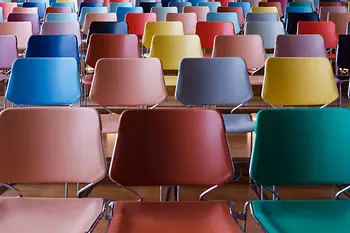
24, 17
324, 10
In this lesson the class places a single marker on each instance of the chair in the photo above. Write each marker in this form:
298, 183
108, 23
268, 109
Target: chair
325, 10
126, 82
44, 81
136, 22
342, 62
277, 132
300, 46
179, 5
213, 6
308, 2
7, 8
58, 10
64, 4
273, 4
225, 17
122, 11
300, 4
196, 2
24, 17
284, 3
268, 9
160, 28
62, 28
201, 11
189, 21
330, 4
294, 18
248, 47
25, 10
40, 5
267, 30
48, 141
299, 82
238, 10
107, 28
296, 9
97, 17
89, 4
162, 11
113, 6
200, 85
86, 10
340, 20
22, 31
245, 5
147, 6
162, 127
61, 17
261, 17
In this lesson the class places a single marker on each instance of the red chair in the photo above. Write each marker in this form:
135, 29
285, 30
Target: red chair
326, 29
330, 4
278, 5
238, 10
136, 22
224, 3
7, 8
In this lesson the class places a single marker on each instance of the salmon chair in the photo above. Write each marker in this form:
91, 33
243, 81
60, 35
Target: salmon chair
189, 21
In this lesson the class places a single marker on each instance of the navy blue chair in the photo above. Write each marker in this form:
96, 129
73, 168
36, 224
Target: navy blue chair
40, 5
107, 28
146, 6
294, 18
89, 4
122, 11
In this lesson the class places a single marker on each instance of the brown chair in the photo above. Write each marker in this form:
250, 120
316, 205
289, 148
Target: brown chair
58, 10
238, 10
53, 145
127, 82
340, 20
200, 11
22, 30
175, 151
325, 10
249, 47
321, 4
189, 21
275, 4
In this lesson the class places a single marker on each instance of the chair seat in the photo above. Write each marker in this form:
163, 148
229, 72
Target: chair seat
303, 216
54, 215
256, 80
110, 123
172, 217
238, 123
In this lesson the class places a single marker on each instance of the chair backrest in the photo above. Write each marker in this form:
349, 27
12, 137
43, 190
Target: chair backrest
7, 8
107, 28
196, 2
26, 10
317, 132
261, 17
64, 4
252, 2
135, 82
44, 81
300, 46
189, 21
164, 162
171, 49
22, 30
215, 81
122, 11
207, 31
267, 30
86, 10
330, 4
299, 81
180, 5
201, 11
162, 11
300, 4
278, 5
8, 48
308, 2
326, 29
24, 17
245, 5
58, 10
97, 17
294, 18
89, 4
61, 17
40, 5
147, 6
325, 10
62, 28
225, 17
269, 9
284, 3
137, 21
160, 28
248, 47
51, 145
111, 46
213, 6
343, 52
340, 20
296, 9
238, 10
113, 6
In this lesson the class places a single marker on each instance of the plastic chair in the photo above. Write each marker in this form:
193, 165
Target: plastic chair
199, 85
49, 144
201, 11
166, 126
7, 8
89, 4
122, 11
330, 4
284, 3
268, 9
300, 4
179, 5
294, 18
126, 82
47, 2
97, 17
136, 22
76, 3
340, 20
324, 10
160, 28
237, 10
225, 17
62, 28
113, 6
44, 81
58, 10
207, 31
342, 63
189, 21
261, 17
296, 9
23, 17
86, 10
213, 6
64, 4
147, 6
22, 31
196, 2
245, 5
40, 5
162, 11
107, 28
293, 82
25, 10
268, 167
273, 4
61, 17
267, 30
309, 1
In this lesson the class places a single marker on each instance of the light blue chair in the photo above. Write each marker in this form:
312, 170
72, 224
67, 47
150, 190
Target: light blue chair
122, 11
225, 17
296, 9
113, 6
245, 5
213, 6
1, 15
61, 17
180, 5
40, 5
195, 2
47, 2
44, 81
64, 4
86, 10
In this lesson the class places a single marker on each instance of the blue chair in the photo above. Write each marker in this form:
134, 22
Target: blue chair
213, 6
86, 10
195, 2
61, 17
122, 11
113, 6
40, 5
147, 6
225, 17
64, 4
47, 2
296, 9
1, 15
179, 5
44, 81
89, 4
245, 5
107, 28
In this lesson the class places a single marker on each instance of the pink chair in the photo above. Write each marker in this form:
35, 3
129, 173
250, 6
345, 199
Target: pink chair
7, 8
201, 11
22, 31
189, 21
325, 10
62, 28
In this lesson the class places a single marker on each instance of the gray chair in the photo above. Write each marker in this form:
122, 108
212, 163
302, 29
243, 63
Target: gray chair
261, 17
180, 5
217, 81
162, 11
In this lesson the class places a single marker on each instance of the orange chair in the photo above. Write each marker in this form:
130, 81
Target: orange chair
273, 4
189, 21
340, 20
127, 82
7, 8
175, 151
326, 29
201, 12
136, 22
238, 10
330, 4
25, 10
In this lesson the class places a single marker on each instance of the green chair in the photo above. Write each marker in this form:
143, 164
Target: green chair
300, 147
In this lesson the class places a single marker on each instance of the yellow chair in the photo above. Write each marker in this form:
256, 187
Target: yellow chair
74, 1
171, 49
160, 28
267, 9
299, 82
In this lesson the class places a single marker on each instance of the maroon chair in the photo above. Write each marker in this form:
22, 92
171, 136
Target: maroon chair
23, 17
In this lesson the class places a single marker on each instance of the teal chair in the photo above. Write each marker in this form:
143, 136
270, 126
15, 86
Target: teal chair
213, 6
61, 17
301, 147
245, 5
225, 17
113, 6
86, 10
297, 9
64, 4
122, 11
